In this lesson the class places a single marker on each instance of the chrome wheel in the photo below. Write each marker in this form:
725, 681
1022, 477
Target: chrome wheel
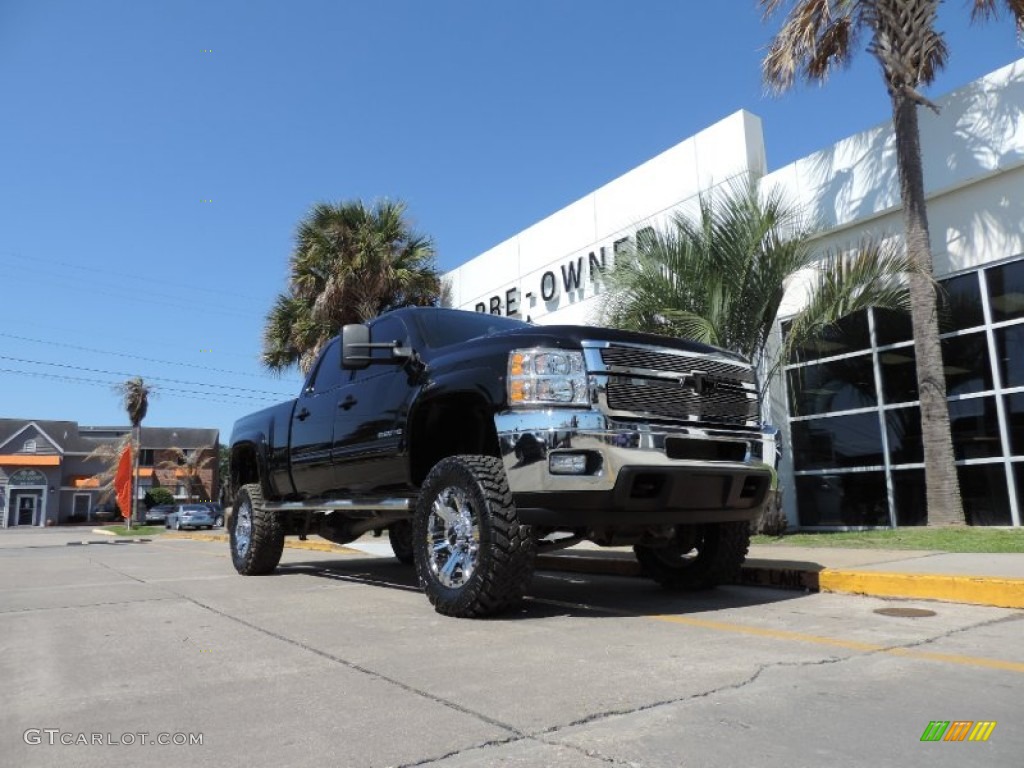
243, 529
453, 535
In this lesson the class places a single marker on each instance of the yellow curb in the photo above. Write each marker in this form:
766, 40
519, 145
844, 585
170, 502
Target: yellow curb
976, 590
316, 546
102, 532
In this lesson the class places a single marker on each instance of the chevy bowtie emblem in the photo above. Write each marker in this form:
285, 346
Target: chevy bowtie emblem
702, 383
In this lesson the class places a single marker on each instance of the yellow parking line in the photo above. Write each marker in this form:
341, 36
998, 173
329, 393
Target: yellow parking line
801, 637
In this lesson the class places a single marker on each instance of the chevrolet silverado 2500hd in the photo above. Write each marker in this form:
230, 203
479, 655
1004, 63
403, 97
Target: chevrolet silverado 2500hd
478, 441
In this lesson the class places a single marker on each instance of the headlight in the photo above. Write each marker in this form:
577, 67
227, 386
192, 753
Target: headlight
547, 377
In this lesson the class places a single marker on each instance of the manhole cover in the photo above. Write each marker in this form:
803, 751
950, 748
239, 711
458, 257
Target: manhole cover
911, 613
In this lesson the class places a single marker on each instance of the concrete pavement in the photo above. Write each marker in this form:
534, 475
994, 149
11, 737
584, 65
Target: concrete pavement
338, 659
976, 579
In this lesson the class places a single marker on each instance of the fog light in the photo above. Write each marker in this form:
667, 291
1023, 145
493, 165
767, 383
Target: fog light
567, 463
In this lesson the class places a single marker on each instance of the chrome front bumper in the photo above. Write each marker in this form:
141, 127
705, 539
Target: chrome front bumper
636, 472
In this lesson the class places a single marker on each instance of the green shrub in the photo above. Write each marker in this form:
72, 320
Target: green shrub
156, 496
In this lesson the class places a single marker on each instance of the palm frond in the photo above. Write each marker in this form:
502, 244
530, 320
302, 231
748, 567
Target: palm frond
350, 262
872, 275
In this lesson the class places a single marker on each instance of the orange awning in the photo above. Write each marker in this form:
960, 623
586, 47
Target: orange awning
86, 482
25, 460
145, 471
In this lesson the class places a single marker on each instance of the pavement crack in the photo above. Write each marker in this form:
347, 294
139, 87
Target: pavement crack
88, 605
597, 716
462, 751
115, 570
515, 732
607, 714
951, 632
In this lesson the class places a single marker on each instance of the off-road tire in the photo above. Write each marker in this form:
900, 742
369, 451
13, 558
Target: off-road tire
266, 535
506, 549
700, 557
400, 536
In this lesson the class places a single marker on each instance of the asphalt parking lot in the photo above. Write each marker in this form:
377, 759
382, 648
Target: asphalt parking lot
338, 660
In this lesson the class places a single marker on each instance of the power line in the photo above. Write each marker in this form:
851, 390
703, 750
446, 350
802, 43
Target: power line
132, 356
168, 345
148, 299
156, 378
122, 274
184, 393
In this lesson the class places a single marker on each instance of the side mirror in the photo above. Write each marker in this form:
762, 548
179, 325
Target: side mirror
355, 346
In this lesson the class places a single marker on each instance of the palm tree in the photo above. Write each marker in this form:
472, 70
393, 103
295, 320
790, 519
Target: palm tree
135, 396
719, 277
817, 36
349, 264
188, 465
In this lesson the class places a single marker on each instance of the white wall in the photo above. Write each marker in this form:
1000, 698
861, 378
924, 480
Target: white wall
596, 221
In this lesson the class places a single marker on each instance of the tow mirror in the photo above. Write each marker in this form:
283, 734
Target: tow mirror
355, 346
357, 349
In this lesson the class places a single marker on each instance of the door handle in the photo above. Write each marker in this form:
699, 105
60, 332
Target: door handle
302, 415
348, 402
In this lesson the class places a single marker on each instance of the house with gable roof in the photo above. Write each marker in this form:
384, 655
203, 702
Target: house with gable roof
48, 469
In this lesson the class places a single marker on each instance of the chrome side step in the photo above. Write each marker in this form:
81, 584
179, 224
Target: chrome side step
343, 505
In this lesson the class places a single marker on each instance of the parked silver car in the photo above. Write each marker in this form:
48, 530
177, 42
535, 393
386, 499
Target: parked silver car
218, 512
190, 516
158, 514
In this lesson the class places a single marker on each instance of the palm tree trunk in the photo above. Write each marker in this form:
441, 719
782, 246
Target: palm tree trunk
137, 436
943, 488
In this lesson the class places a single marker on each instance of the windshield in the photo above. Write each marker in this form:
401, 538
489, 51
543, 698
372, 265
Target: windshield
444, 327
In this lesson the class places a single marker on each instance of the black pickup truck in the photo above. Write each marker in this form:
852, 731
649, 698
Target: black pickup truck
478, 441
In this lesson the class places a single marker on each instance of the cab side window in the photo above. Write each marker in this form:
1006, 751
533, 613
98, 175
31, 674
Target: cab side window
327, 373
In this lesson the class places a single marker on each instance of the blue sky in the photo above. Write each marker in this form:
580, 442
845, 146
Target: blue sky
155, 157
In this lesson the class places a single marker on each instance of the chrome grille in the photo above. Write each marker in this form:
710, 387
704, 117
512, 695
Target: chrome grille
647, 382
651, 360
674, 402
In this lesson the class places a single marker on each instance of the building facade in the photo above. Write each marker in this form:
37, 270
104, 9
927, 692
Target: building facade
51, 471
847, 408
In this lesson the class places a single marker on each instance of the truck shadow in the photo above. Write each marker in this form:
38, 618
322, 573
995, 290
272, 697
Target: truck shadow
553, 594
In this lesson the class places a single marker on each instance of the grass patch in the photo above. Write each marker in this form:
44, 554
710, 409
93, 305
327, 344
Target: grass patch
952, 539
137, 530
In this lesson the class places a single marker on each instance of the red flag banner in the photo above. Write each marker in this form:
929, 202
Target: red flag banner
123, 482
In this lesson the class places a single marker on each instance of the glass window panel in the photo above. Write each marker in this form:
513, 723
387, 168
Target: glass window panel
1010, 348
850, 334
1018, 473
840, 441
856, 498
904, 430
840, 385
1015, 422
960, 303
899, 374
986, 499
1006, 290
975, 428
966, 363
892, 327
909, 494
328, 373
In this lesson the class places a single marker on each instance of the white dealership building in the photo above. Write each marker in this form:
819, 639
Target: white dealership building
848, 414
